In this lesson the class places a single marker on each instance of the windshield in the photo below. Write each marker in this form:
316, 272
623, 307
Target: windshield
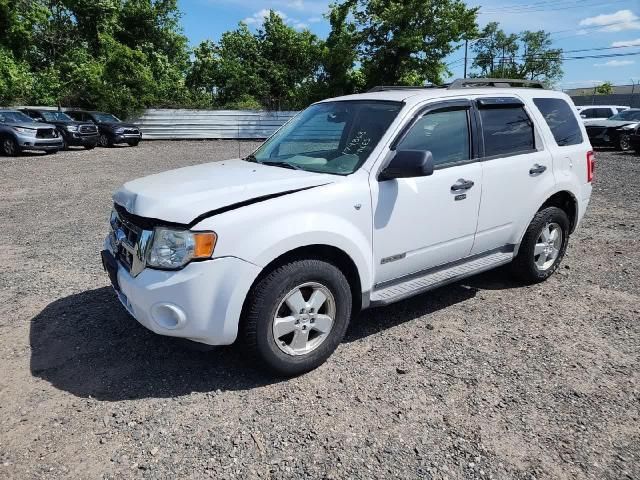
56, 117
330, 137
627, 115
105, 117
9, 116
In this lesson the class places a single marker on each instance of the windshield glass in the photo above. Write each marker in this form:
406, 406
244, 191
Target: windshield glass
105, 117
331, 137
627, 115
56, 116
10, 116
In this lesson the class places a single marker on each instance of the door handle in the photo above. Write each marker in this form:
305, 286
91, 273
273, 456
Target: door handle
462, 184
537, 169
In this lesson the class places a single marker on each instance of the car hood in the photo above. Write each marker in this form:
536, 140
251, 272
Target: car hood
184, 195
118, 125
610, 123
33, 125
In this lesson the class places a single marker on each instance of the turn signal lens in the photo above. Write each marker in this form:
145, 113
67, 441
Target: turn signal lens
204, 243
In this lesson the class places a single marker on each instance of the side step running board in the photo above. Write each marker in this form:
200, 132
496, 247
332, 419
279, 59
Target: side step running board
406, 287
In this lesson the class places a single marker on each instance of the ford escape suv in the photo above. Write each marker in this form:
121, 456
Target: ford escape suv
358, 201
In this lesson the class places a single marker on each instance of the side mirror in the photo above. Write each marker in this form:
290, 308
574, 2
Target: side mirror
408, 164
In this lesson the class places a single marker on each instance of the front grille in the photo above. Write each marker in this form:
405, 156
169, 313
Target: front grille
126, 237
46, 133
595, 131
131, 131
88, 129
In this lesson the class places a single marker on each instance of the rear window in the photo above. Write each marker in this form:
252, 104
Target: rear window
561, 120
506, 131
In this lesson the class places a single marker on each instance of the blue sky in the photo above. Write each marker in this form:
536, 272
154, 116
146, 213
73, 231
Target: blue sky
576, 25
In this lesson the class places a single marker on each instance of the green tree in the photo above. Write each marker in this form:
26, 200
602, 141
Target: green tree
528, 55
605, 88
405, 41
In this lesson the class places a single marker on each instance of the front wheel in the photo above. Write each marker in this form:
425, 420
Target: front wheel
10, 147
297, 315
133, 143
105, 141
624, 142
543, 246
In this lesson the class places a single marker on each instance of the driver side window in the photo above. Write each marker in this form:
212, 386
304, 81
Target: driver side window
445, 133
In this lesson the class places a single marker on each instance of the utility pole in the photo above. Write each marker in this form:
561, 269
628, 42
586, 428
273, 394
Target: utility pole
466, 49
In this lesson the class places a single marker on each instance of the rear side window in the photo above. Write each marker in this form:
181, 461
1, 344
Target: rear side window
561, 120
506, 131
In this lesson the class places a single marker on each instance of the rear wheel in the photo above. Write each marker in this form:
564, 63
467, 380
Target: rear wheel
543, 246
297, 315
10, 147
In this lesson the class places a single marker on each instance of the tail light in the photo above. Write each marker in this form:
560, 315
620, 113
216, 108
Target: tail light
591, 165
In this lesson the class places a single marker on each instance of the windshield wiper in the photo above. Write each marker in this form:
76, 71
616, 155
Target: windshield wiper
282, 164
250, 158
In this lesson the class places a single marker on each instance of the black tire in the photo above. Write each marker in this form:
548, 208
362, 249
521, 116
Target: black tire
105, 140
133, 143
524, 265
10, 147
89, 147
624, 142
264, 300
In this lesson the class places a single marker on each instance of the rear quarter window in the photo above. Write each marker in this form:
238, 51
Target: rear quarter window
561, 120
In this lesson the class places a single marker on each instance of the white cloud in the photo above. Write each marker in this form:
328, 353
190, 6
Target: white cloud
614, 63
614, 22
627, 43
314, 19
259, 17
300, 25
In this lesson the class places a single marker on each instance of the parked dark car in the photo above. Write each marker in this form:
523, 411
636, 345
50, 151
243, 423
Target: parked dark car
19, 132
614, 131
635, 140
81, 134
111, 129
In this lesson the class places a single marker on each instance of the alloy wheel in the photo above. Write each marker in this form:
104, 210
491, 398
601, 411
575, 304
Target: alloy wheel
548, 245
304, 318
9, 146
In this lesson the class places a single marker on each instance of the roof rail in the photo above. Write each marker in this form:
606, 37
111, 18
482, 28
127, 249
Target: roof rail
494, 82
382, 88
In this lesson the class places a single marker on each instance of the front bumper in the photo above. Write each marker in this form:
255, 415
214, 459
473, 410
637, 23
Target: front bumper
34, 143
126, 138
201, 302
79, 140
635, 141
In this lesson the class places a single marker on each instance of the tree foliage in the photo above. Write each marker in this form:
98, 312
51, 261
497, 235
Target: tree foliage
528, 55
126, 55
605, 88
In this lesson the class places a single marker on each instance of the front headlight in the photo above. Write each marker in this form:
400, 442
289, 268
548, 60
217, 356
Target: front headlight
26, 131
173, 249
629, 127
71, 128
119, 131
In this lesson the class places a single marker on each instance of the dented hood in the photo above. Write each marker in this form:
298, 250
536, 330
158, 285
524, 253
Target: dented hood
184, 194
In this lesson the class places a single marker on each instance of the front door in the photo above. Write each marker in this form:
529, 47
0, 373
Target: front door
424, 222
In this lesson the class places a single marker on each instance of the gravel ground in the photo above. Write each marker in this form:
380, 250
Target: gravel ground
480, 379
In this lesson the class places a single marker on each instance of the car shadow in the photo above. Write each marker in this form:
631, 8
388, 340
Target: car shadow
86, 344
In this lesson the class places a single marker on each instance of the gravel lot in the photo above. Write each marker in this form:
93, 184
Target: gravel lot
481, 379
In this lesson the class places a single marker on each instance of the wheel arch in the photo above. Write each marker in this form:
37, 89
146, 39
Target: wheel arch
328, 253
566, 201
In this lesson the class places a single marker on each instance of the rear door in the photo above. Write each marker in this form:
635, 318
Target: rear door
516, 172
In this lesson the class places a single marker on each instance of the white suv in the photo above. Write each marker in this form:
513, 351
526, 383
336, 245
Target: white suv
358, 201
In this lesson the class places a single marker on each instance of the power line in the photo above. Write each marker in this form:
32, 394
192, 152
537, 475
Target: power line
542, 8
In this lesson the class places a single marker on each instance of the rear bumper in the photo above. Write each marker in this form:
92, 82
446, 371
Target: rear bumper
201, 302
